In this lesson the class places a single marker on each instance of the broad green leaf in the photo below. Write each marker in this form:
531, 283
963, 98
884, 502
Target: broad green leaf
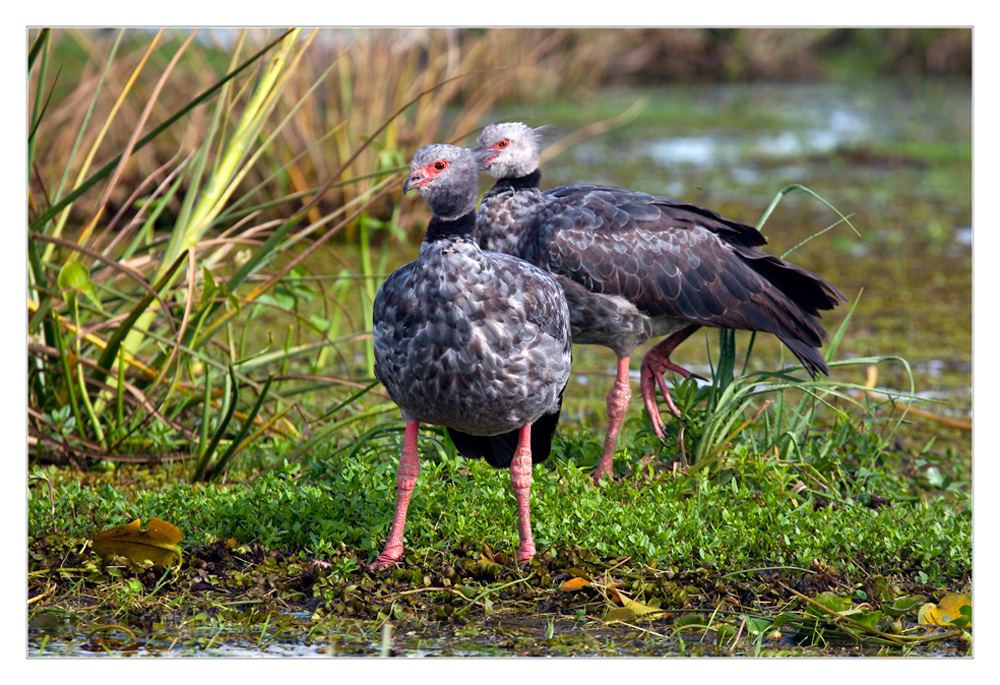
623, 614
758, 626
831, 601
465, 591
904, 605
75, 275
209, 289
869, 619
158, 543
690, 620
319, 322
724, 630
785, 618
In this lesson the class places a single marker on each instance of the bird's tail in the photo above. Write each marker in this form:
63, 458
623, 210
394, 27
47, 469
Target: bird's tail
498, 450
796, 307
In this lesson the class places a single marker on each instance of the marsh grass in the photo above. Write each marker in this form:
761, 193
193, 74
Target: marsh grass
180, 301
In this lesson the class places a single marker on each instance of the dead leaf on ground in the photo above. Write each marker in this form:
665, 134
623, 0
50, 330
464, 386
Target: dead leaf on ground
488, 562
946, 612
638, 608
158, 543
574, 584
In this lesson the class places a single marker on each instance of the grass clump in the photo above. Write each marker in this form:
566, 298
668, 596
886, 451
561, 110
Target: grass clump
181, 299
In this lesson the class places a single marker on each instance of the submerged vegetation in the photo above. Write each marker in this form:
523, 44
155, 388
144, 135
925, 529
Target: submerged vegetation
210, 216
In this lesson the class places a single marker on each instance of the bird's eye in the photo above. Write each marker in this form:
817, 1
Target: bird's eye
503, 143
440, 165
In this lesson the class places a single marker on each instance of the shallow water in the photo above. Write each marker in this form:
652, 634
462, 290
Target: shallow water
559, 637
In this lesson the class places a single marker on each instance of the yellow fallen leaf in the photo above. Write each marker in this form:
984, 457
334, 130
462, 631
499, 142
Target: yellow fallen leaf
158, 543
574, 584
638, 608
488, 562
944, 612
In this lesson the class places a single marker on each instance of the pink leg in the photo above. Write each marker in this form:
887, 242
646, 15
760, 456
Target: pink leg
618, 398
520, 478
656, 361
406, 479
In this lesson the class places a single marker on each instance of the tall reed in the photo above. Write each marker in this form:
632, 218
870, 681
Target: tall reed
206, 212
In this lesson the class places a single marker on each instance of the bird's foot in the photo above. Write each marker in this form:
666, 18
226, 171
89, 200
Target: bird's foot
603, 472
386, 559
647, 384
651, 379
525, 553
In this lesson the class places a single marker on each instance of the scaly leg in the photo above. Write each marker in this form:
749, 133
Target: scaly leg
656, 361
618, 398
520, 478
406, 479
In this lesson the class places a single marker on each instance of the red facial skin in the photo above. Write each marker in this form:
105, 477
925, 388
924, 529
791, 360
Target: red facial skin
422, 177
499, 146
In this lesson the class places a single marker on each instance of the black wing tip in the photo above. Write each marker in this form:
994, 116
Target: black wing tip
808, 355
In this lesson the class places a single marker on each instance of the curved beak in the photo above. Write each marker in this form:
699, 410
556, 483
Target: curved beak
484, 156
416, 179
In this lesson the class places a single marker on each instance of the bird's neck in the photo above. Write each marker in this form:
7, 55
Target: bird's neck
528, 182
440, 229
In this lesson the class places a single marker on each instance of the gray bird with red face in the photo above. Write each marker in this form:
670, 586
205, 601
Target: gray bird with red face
635, 266
474, 341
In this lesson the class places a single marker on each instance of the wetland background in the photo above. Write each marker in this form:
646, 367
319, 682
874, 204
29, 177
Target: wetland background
264, 210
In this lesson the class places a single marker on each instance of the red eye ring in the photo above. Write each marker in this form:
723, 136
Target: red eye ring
503, 143
440, 165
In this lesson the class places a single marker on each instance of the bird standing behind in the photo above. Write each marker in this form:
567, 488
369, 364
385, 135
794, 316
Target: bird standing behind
474, 341
635, 266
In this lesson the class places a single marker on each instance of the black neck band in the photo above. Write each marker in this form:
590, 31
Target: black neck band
451, 228
531, 181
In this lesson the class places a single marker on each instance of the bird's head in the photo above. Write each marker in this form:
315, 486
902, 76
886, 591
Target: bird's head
447, 177
511, 150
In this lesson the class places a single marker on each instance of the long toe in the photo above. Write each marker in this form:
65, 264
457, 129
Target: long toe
384, 561
647, 384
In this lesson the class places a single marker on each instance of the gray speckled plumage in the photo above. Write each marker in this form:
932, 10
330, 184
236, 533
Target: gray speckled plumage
636, 266
471, 340
475, 341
